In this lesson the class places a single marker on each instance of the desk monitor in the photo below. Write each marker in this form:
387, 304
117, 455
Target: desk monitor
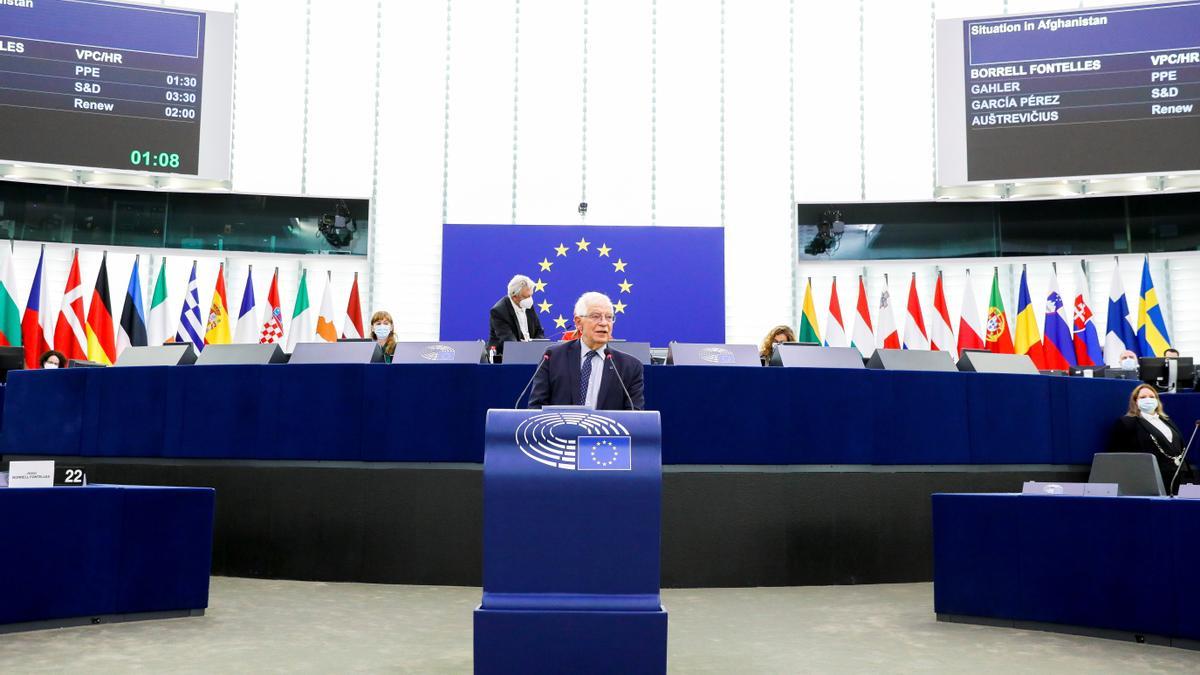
225, 355
912, 359
11, 358
638, 350
174, 354
703, 354
1177, 372
1120, 374
1135, 473
978, 361
1083, 371
524, 352
83, 363
337, 352
463, 351
799, 355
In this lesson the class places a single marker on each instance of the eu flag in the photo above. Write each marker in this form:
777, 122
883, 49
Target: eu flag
666, 283
603, 453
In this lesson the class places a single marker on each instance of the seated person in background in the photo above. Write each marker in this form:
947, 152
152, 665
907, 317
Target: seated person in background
777, 334
383, 329
1145, 427
585, 371
1128, 361
512, 318
1171, 353
53, 359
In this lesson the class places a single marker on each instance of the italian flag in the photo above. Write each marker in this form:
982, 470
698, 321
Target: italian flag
301, 328
10, 316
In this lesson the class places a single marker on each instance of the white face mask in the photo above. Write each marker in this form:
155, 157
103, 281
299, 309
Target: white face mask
49, 364
1129, 364
526, 303
1148, 404
382, 330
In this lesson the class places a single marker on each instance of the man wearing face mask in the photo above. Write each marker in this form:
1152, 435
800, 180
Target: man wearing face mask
513, 316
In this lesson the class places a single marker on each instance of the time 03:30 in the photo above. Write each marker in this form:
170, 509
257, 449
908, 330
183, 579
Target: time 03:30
168, 160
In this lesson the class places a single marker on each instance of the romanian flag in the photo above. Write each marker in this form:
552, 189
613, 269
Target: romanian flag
101, 343
1152, 335
809, 331
217, 331
998, 334
1029, 336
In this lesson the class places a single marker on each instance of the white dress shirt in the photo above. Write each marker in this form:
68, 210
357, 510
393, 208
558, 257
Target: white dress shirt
522, 320
593, 387
1156, 422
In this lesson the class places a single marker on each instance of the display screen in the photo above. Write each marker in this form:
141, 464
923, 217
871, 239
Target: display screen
118, 86
1069, 94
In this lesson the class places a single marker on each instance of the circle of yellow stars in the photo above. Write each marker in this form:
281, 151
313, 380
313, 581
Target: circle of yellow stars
581, 246
599, 459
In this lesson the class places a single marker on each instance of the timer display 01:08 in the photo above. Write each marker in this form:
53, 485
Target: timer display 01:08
169, 160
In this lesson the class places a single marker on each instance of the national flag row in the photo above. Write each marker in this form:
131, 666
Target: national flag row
89, 334
1070, 337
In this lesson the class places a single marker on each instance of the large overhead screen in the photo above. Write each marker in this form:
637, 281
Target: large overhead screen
1069, 94
116, 86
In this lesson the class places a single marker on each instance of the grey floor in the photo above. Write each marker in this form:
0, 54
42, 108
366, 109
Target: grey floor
289, 626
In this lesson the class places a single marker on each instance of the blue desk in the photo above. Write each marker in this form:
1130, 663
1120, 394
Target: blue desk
72, 555
423, 413
1121, 566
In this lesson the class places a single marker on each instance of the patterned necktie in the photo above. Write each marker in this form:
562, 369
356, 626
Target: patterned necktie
585, 376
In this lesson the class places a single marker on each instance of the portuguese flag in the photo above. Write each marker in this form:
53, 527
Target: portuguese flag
998, 334
809, 332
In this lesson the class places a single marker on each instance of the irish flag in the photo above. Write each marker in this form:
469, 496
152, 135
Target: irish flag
301, 328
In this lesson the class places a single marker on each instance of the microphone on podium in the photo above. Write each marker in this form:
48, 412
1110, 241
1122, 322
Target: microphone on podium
609, 357
545, 358
1182, 460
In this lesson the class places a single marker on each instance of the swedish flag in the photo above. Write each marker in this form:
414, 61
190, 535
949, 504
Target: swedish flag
1152, 335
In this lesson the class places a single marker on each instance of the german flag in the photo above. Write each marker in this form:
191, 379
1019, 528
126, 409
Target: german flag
101, 345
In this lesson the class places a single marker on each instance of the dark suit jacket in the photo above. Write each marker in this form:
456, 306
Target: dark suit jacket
557, 381
1134, 434
502, 324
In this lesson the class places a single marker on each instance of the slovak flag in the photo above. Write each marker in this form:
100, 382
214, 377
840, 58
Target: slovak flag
1058, 349
1084, 335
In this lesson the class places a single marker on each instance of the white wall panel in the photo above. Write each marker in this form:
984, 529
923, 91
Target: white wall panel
341, 98
688, 141
618, 154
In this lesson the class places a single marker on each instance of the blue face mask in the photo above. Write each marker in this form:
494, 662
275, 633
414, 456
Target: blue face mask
382, 330
1148, 404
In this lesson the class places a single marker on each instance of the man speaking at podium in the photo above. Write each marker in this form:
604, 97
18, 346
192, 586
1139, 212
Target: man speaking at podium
587, 371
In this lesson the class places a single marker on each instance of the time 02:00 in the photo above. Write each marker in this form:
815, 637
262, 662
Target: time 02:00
168, 160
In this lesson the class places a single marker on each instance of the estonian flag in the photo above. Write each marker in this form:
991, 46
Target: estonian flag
132, 330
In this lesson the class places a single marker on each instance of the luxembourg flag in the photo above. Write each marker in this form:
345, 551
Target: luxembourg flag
941, 335
1058, 348
1087, 342
835, 329
887, 335
915, 336
864, 333
1118, 332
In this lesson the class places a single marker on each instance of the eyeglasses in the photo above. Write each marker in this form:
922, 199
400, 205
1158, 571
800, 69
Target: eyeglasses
595, 316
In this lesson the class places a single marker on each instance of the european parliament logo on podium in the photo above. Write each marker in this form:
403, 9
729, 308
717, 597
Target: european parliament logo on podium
566, 502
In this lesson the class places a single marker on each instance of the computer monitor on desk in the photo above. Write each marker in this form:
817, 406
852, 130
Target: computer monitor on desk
1170, 374
1088, 371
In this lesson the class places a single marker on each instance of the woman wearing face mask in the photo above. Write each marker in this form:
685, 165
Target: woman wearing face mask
1145, 427
53, 359
382, 327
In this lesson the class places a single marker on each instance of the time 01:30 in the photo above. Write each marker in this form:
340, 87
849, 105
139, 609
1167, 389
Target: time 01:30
168, 160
